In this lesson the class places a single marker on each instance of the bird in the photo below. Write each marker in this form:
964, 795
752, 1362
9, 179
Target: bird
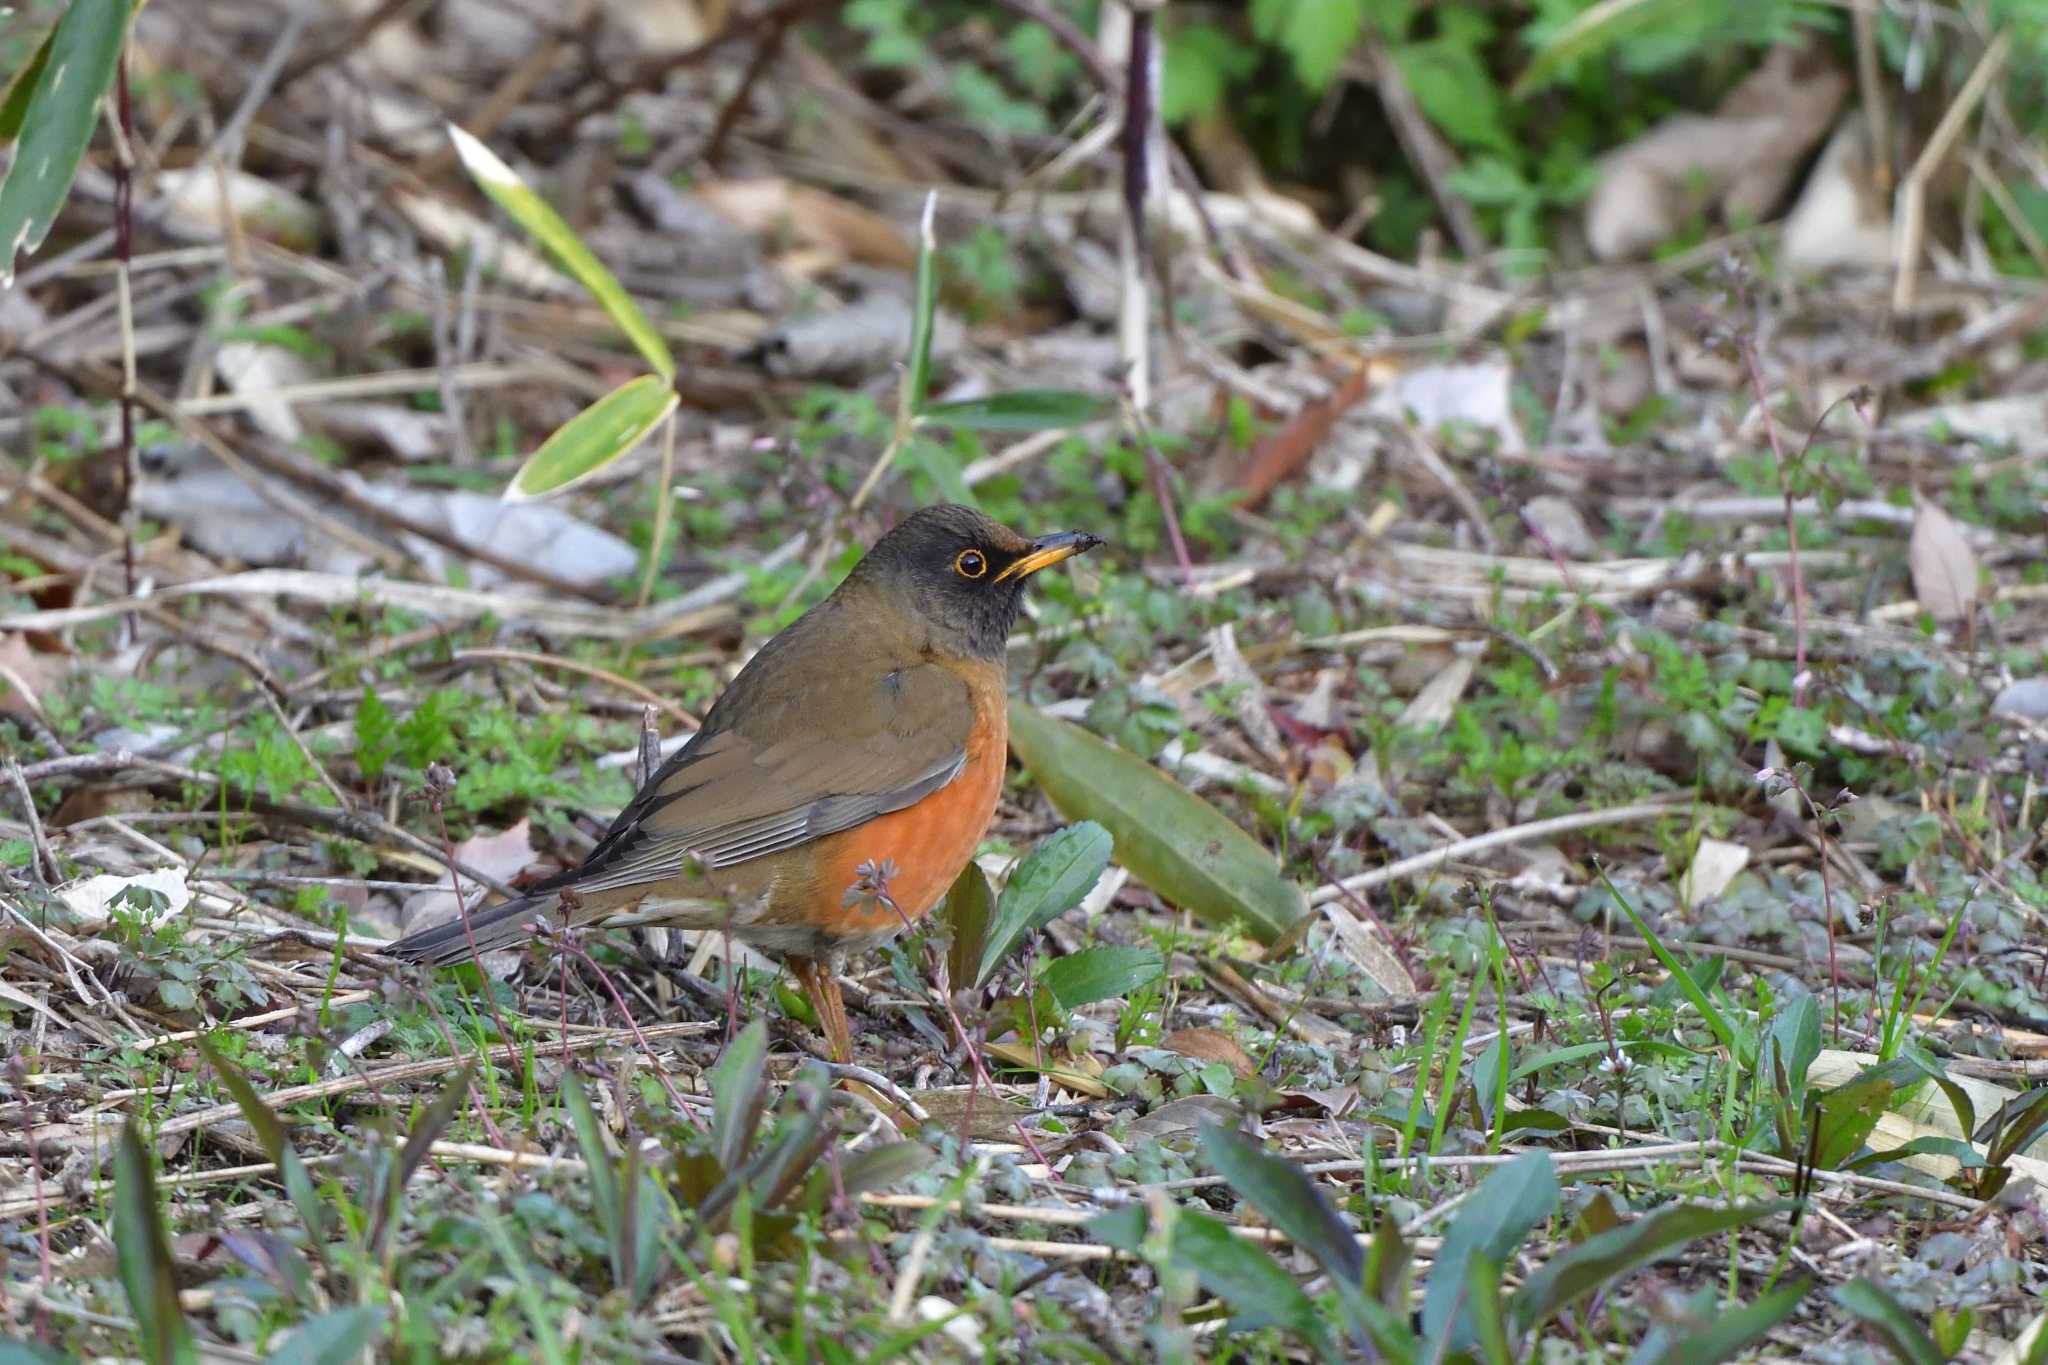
838, 785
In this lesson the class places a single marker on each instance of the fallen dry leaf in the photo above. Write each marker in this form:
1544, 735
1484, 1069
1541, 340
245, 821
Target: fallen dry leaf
1211, 1045
1943, 564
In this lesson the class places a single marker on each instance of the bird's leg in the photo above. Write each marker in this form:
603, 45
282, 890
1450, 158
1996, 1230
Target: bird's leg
822, 987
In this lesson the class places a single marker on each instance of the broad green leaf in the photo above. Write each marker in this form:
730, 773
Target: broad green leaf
1482, 1280
924, 309
1590, 31
1048, 882
1962, 1153
336, 1338
1708, 1333
1316, 35
142, 1253
1100, 974
29, 1353
739, 1095
55, 118
1794, 1039
1898, 1329
1258, 1290
534, 214
1182, 847
276, 1143
1507, 1207
1285, 1197
596, 436
874, 1168
1019, 410
1845, 1117
966, 912
1600, 1261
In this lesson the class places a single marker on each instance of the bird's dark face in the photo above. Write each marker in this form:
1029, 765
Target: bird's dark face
962, 574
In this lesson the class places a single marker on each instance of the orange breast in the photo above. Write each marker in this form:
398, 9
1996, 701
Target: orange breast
929, 842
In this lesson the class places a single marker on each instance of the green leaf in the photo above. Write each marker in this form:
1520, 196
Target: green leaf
1048, 882
1182, 847
1794, 1040
739, 1094
1019, 410
2013, 1127
1845, 1117
142, 1252
1593, 30
275, 1140
29, 1353
433, 1121
1602, 1260
1316, 35
376, 734
597, 1159
966, 912
1507, 1207
924, 310
14, 103
55, 118
873, 1168
1482, 1280
1962, 1153
596, 436
1717, 1024
532, 212
1202, 62
1100, 974
1258, 1291
1889, 1320
1456, 91
1287, 1198
941, 466
1709, 1334
336, 1338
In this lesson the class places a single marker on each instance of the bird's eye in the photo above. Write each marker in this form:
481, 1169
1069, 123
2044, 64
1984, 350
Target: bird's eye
970, 564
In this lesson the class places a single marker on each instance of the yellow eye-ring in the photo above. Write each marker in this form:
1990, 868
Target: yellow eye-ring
970, 564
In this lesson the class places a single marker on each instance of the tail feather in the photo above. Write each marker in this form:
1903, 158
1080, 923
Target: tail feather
498, 927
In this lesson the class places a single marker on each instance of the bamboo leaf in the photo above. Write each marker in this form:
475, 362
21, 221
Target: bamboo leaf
1709, 1334
603, 432
1182, 847
1019, 410
55, 116
533, 213
142, 1253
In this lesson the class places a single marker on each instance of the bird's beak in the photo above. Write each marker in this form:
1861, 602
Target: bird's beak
1047, 551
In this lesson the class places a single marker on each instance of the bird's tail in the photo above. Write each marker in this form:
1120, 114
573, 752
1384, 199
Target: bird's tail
498, 927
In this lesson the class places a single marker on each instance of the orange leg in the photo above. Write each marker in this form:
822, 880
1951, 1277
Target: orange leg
823, 989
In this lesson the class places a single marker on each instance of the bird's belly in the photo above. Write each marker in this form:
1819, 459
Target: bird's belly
928, 843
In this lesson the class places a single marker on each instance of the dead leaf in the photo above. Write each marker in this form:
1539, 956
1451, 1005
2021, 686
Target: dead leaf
1281, 455
1842, 218
1480, 395
1943, 564
26, 677
1438, 698
1738, 160
1715, 863
1211, 1045
1077, 1073
90, 899
841, 230
202, 200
